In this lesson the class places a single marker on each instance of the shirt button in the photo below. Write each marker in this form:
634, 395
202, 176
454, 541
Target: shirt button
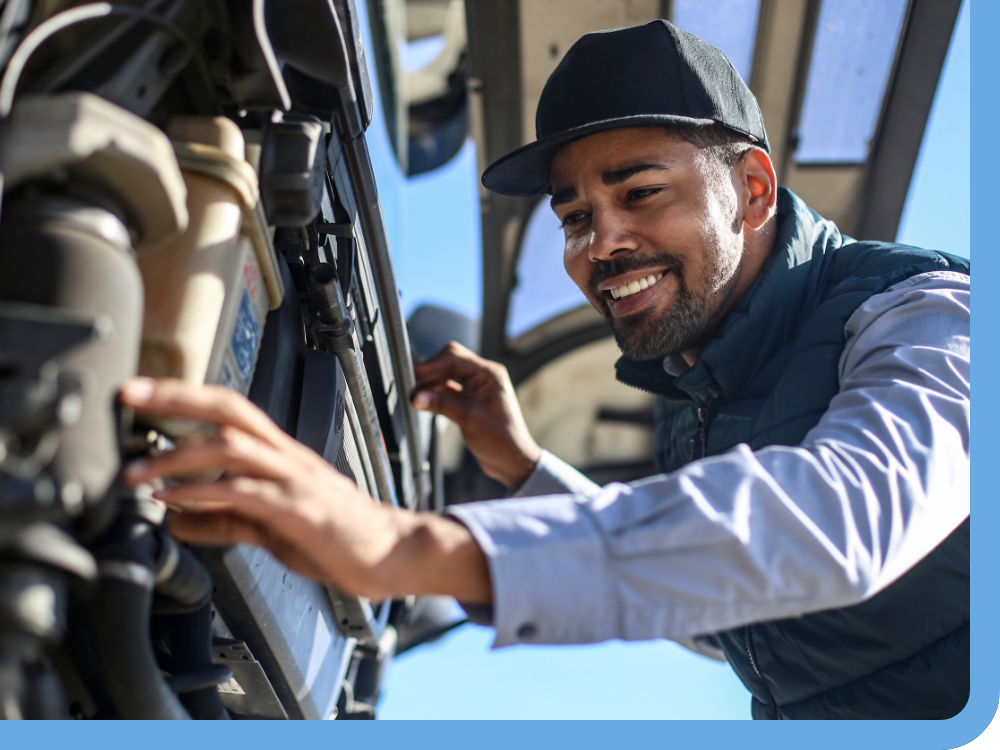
527, 631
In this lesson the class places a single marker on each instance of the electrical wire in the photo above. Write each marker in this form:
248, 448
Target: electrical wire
60, 21
12, 12
51, 26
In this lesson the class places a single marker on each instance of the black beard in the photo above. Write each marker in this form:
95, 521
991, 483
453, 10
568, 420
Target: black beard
688, 325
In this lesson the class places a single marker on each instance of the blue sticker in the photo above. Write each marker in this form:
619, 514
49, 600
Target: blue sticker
246, 338
228, 377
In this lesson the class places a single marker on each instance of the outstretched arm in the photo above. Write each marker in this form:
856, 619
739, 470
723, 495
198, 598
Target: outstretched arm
278, 494
751, 536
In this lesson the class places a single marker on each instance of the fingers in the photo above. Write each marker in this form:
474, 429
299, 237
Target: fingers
448, 404
448, 351
442, 383
223, 529
454, 361
232, 452
214, 529
423, 397
209, 403
259, 500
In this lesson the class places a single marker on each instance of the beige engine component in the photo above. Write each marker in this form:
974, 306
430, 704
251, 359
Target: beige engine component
208, 291
103, 145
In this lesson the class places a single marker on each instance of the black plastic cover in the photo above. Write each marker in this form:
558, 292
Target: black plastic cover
311, 49
277, 379
292, 168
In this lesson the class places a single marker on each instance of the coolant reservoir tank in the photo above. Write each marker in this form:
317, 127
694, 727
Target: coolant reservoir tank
187, 281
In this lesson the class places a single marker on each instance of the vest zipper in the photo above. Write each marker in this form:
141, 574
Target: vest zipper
700, 447
753, 663
700, 451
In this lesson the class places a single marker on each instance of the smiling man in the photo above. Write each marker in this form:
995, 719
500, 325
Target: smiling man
655, 236
811, 524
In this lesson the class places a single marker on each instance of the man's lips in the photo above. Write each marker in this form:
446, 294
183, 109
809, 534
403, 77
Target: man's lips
629, 284
619, 295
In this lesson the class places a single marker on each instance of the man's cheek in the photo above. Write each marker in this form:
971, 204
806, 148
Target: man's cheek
579, 269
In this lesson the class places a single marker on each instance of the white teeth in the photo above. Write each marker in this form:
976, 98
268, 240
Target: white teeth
627, 290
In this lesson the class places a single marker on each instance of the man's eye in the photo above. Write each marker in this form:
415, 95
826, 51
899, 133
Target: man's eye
571, 219
640, 193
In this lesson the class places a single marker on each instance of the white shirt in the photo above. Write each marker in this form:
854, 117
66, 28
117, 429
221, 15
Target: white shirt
750, 536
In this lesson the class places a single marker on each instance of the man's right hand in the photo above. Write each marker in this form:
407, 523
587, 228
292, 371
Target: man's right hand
477, 395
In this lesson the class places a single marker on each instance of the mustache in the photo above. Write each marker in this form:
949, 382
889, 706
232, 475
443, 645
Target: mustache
608, 269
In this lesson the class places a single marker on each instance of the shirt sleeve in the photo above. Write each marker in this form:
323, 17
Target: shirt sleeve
553, 476
878, 483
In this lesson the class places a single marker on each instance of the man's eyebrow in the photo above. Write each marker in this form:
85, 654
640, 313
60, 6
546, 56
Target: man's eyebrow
560, 197
611, 177
618, 176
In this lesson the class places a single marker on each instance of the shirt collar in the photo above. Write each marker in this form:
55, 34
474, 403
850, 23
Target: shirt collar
675, 365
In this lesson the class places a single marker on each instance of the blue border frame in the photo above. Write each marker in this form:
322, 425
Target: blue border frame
771, 735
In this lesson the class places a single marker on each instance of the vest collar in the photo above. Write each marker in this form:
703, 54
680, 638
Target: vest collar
763, 321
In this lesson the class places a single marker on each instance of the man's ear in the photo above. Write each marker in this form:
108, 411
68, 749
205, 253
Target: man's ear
755, 173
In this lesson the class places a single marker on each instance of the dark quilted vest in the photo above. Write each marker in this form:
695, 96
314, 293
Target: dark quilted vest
766, 379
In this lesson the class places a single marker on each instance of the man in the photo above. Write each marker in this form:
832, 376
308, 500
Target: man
812, 523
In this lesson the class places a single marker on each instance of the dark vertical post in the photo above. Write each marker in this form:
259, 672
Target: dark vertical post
922, 52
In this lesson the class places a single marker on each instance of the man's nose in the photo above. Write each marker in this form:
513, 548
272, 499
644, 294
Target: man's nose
610, 235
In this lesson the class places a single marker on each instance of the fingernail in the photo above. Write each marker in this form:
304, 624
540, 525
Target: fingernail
138, 390
178, 503
135, 469
421, 401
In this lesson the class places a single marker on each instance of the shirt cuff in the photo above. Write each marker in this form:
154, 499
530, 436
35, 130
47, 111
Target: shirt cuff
478, 614
553, 476
548, 569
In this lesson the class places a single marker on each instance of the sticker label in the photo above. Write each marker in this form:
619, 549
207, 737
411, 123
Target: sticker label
251, 274
228, 377
232, 687
246, 339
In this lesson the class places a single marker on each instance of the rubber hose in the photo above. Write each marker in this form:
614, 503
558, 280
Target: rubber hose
190, 639
188, 586
120, 614
134, 553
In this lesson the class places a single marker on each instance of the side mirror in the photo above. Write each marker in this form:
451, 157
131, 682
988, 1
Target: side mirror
431, 327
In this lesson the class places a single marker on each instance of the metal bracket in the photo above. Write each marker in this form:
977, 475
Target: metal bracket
249, 693
335, 229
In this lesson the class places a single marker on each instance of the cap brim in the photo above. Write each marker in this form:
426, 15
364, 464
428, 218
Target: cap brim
525, 172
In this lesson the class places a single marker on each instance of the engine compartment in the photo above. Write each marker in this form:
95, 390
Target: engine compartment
188, 193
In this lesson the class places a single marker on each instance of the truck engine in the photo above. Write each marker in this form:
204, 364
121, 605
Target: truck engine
188, 193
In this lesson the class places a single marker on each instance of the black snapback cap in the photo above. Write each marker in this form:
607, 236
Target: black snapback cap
652, 75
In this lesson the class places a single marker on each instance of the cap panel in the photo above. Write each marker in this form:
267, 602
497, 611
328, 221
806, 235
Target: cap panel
608, 74
714, 88
644, 75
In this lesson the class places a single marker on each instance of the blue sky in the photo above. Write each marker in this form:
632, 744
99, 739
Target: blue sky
438, 260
